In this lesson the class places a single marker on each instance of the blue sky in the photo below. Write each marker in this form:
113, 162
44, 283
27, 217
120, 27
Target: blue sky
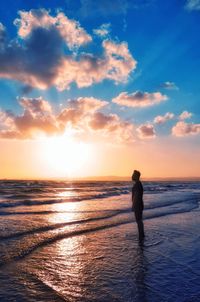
162, 36
156, 43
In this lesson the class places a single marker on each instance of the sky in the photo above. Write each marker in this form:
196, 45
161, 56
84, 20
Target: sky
99, 88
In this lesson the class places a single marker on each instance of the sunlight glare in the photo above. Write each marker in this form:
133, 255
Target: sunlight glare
65, 156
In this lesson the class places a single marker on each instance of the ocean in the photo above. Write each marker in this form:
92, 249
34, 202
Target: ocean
78, 241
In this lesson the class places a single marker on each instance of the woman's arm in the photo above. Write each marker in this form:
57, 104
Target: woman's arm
133, 195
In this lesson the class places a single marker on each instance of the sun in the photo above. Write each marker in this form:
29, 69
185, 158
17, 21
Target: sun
64, 156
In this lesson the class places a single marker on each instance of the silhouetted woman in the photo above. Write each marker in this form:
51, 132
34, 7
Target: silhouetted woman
137, 202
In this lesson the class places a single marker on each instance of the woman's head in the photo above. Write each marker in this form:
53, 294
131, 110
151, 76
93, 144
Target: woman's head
136, 175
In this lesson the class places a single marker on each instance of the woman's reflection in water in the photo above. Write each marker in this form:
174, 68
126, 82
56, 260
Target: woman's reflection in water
139, 271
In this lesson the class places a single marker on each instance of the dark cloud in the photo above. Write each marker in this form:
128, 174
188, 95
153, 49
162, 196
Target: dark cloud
139, 99
100, 120
146, 131
26, 89
35, 62
40, 57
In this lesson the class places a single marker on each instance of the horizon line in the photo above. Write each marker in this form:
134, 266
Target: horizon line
103, 178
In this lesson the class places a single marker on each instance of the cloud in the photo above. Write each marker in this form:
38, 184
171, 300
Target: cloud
103, 30
146, 131
37, 117
2, 35
48, 63
169, 86
33, 63
139, 99
2, 117
168, 116
116, 64
119, 62
100, 120
105, 8
78, 109
6, 119
192, 5
182, 129
36, 106
113, 126
86, 104
82, 115
185, 115
10, 134
70, 30
161, 119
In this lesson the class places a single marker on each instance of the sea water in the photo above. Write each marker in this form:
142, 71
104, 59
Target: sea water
78, 241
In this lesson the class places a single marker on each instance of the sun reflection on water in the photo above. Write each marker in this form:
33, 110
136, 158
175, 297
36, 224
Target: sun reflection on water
67, 193
71, 265
68, 253
70, 250
65, 211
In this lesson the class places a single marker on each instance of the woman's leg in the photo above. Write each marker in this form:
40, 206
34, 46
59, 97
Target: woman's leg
140, 229
138, 218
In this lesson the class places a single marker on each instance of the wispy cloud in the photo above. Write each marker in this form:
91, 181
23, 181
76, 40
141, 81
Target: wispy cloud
103, 31
161, 119
91, 8
2, 35
169, 85
182, 129
103, 7
146, 131
192, 5
185, 115
139, 99
39, 59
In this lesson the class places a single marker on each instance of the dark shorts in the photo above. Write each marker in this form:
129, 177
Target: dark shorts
138, 215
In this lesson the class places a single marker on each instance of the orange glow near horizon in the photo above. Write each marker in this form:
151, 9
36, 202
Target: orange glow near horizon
59, 157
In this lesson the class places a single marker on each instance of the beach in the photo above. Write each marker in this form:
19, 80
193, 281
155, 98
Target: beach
78, 241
